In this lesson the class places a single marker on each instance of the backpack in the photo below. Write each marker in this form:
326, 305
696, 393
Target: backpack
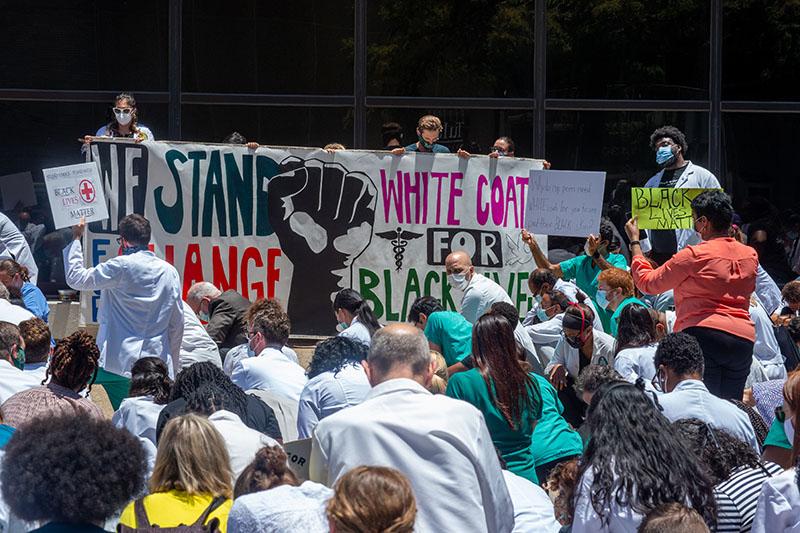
199, 525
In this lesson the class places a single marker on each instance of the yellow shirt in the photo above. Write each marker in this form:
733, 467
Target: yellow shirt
173, 508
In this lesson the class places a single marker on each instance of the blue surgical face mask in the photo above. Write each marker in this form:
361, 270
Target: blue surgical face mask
664, 156
602, 299
541, 314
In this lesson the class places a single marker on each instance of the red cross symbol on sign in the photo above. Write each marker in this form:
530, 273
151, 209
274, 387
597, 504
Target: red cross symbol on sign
86, 190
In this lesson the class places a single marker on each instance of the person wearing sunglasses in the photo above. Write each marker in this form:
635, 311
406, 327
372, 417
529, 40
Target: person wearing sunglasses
125, 122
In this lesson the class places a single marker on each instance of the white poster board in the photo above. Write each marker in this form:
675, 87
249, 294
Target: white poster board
567, 203
298, 453
75, 192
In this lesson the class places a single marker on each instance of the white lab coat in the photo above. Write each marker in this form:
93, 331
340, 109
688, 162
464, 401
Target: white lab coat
766, 351
442, 445
36, 370
694, 177
357, 331
328, 393
480, 294
778, 508
241, 441
14, 245
533, 510
602, 353
271, 371
621, 519
196, 345
13, 313
690, 399
140, 311
243, 351
14, 380
632, 363
767, 291
139, 415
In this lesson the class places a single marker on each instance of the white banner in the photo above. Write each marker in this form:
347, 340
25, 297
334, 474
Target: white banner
298, 224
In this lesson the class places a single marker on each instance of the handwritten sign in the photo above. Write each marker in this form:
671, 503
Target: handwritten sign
663, 208
564, 202
75, 191
299, 453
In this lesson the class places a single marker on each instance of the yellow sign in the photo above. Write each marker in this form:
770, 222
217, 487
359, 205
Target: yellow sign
663, 208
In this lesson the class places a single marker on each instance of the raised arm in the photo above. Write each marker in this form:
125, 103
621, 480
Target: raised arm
538, 255
106, 275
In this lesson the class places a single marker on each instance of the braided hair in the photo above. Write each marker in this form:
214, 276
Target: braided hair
191, 379
75, 362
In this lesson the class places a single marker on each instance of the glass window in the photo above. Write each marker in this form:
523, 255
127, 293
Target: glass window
761, 50
648, 50
450, 48
617, 143
85, 45
472, 129
45, 135
301, 47
277, 126
760, 160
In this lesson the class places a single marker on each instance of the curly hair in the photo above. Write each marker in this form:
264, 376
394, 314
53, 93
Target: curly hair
670, 132
269, 469
719, 451
372, 499
150, 377
681, 353
37, 339
507, 311
331, 355
75, 362
607, 232
423, 305
268, 317
631, 444
72, 469
593, 377
716, 206
562, 481
194, 377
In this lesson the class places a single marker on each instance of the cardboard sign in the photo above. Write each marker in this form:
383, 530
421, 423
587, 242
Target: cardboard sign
299, 453
75, 192
663, 208
564, 202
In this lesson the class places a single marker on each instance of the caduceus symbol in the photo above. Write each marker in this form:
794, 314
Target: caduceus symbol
399, 239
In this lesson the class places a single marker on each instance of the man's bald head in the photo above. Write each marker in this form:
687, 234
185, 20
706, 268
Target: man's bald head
459, 262
199, 292
399, 350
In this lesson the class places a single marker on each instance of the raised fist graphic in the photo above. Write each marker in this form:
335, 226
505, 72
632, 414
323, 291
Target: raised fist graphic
323, 216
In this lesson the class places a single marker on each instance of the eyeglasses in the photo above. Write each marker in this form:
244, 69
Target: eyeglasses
119, 240
123, 110
498, 150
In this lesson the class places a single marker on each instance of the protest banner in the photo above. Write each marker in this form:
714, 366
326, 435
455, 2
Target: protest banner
299, 224
299, 454
663, 208
75, 192
565, 202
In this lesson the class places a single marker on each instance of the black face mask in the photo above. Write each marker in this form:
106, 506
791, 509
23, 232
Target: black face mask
575, 342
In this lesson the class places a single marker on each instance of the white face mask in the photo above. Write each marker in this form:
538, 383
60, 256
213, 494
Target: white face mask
458, 281
788, 428
124, 120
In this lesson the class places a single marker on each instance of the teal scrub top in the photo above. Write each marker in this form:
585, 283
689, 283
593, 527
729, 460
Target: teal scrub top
615, 317
553, 438
584, 272
777, 436
452, 332
514, 445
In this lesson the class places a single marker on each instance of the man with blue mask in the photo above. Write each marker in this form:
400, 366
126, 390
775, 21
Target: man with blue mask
670, 147
140, 311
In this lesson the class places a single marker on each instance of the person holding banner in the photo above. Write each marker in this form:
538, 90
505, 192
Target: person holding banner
429, 128
141, 311
670, 146
125, 123
712, 282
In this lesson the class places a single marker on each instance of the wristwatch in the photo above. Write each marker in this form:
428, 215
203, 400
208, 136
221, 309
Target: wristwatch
632, 244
